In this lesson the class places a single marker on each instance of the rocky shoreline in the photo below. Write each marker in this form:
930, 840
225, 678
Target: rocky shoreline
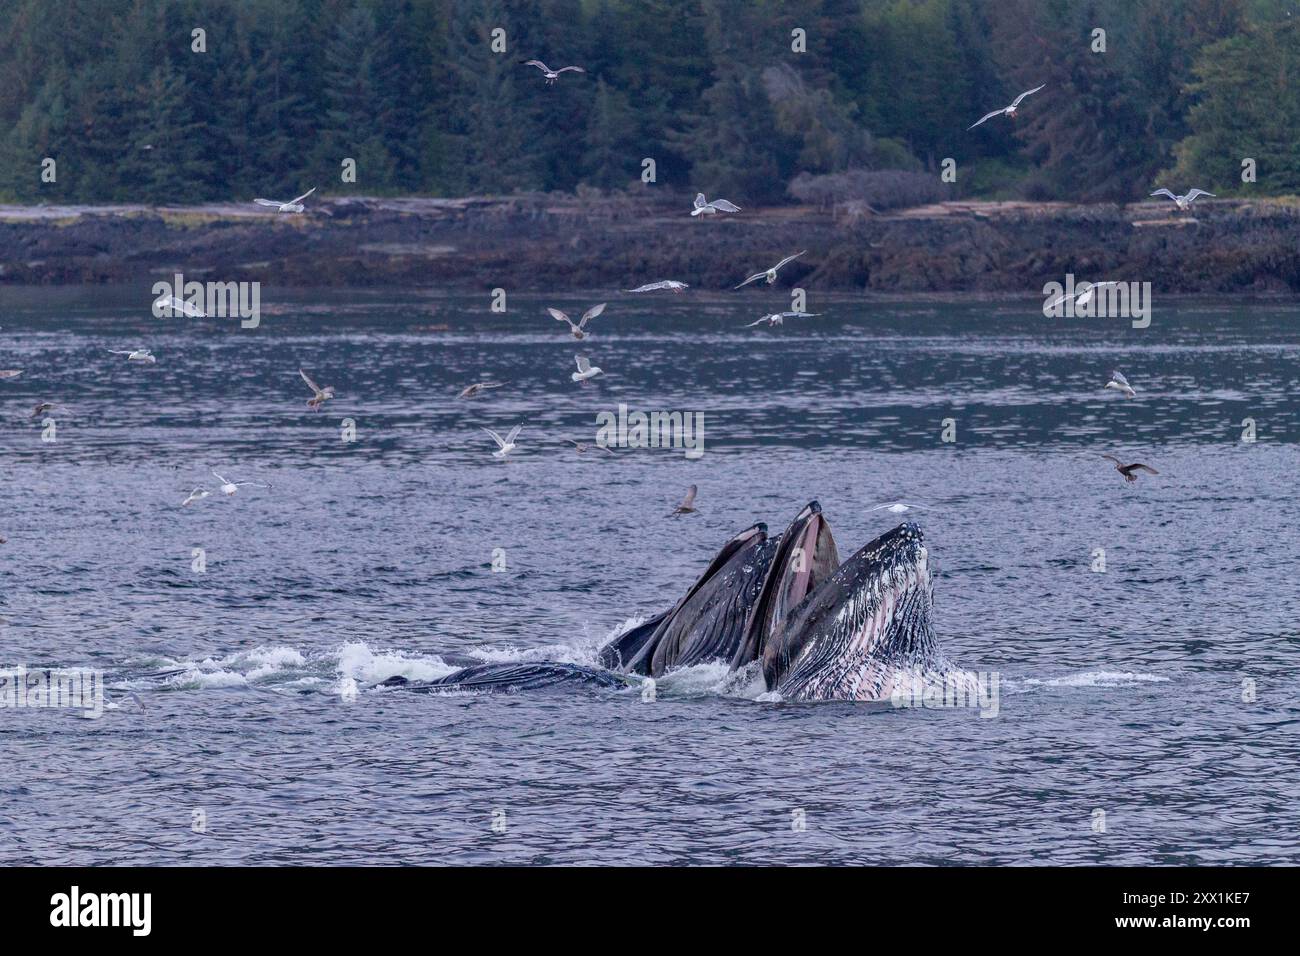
556, 244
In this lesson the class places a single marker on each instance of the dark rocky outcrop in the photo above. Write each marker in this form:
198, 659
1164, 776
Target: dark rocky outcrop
562, 243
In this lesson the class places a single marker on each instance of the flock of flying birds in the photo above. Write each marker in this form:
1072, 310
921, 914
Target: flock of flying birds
702, 207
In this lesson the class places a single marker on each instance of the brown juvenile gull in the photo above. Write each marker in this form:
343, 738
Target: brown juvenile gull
688, 504
587, 316
1128, 470
469, 391
1006, 110
42, 408
583, 447
770, 274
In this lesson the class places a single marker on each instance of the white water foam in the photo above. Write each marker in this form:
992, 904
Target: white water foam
583, 649
289, 668
356, 660
1098, 679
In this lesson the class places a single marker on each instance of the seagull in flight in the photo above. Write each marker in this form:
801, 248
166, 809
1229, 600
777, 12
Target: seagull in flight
778, 318
1184, 202
1129, 471
198, 494
587, 316
469, 391
504, 445
583, 447
1006, 110
895, 507
293, 205
42, 408
136, 355
585, 369
168, 306
320, 395
688, 504
1120, 384
230, 487
703, 208
770, 274
672, 284
10, 372
1081, 296
551, 75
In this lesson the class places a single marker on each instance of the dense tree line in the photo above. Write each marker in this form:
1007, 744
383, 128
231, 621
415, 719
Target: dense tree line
712, 90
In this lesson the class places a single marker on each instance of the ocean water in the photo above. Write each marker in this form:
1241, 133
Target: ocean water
243, 696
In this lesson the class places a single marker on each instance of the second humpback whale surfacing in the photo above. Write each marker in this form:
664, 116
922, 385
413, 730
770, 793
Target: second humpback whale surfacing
822, 630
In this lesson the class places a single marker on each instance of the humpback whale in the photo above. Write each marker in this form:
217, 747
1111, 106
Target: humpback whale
821, 630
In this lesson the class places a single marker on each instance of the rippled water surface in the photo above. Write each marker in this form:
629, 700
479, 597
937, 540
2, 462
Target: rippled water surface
1119, 691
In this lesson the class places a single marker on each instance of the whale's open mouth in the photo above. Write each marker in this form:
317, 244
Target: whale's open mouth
804, 558
822, 630
868, 622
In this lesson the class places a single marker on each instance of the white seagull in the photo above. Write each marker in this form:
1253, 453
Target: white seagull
551, 75
672, 284
1082, 296
168, 306
320, 395
198, 494
293, 205
585, 369
504, 445
778, 318
770, 274
1120, 384
895, 507
230, 487
703, 208
1006, 110
1183, 202
587, 316
136, 355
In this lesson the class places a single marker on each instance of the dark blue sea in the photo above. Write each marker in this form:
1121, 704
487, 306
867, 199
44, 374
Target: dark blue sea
1148, 714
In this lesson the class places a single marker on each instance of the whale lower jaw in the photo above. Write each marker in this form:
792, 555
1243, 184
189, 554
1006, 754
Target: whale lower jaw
863, 679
